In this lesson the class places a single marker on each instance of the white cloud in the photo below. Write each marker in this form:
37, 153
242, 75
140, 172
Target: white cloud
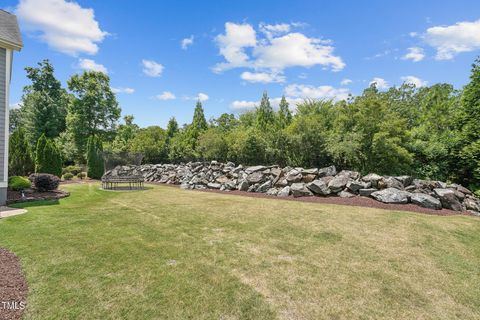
185, 43
415, 81
380, 83
165, 95
346, 82
64, 26
321, 92
90, 65
262, 77
202, 97
274, 52
415, 54
454, 39
152, 68
413, 34
123, 90
242, 105
17, 105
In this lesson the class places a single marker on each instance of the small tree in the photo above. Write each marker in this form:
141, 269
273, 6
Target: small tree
39, 154
48, 158
20, 162
95, 163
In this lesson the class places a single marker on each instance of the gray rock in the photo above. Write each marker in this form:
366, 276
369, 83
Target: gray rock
285, 192
327, 172
252, 188
255, 169
338, 183
255, 177
272, 192
405, 180
309, 178
426, 201
264, 187
294, 176
392, 195
391, 182
463, 190
354, 175
300, 190
357, 185
243, 185
313, 171
448, 199
472, 204
367, 192
345, 194
186, 186
281, 182
213, 185
222, 179
373, 178
319, 187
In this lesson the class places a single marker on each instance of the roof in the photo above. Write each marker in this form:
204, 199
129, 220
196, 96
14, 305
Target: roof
9, 32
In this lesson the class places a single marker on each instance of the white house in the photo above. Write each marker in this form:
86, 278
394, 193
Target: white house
10, 40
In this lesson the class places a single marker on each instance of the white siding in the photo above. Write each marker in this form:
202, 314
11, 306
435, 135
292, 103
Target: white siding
3, 109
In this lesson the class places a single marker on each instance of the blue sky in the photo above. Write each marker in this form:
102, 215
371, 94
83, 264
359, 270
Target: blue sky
234, 51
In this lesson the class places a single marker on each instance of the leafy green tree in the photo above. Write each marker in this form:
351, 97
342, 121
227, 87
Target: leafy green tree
20, 162
16, 118
225, 122
212, 144
94, 111
246, 146
124, 134
151, 142
95, 164
469, 126
181, 147
172, 128
44, 103
265, 116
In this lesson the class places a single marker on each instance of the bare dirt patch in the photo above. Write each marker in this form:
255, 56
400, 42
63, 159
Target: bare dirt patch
13, 287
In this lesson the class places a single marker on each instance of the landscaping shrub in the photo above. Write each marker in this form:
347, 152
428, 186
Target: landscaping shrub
81, 175
20, 160
44, 181
74, 170
18, 183
68, 176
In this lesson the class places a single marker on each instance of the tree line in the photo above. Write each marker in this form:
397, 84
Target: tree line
430, 132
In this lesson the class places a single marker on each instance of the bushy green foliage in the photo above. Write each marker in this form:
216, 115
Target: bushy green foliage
48, 158
81, 175
72, 169
94, 157
151, 142
68, 176
20, 160
18, 183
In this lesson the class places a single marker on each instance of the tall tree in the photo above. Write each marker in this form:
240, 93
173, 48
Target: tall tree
48, 158
40, 154
95, 164
20, 162
44, 103
284, 114
172, 128
124, 134
264, 113
469, 124
94, 111
199, 123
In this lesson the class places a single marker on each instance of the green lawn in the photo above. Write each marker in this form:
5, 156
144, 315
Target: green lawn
167, 253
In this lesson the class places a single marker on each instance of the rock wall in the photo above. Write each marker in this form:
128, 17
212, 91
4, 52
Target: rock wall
300, 182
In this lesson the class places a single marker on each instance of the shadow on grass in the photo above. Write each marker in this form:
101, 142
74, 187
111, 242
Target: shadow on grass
126, 189
38, 203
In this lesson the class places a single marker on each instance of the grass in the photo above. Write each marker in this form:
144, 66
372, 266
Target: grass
167, 253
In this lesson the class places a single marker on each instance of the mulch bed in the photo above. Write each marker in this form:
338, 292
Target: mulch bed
13, 286
16, 196
357, 201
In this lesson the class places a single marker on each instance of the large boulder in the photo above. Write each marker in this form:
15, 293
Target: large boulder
373, 178
391, 182
357, 185
345, 194
448, 199
284, 192
264, 187
243, 185
319, 187
255, 169
392, 195
300, 190
367, 192
272, 192
213, 185
472, 204
405, 180
426, 201
294, 175
338, 183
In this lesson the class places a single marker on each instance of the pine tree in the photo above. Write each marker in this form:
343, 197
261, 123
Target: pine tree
20, 162
264, 113
284, 114
95, 164
40, 155
172, 128
199, 122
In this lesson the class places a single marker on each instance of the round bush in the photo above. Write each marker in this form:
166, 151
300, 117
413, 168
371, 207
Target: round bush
68, 176
18, 183
74, 170
81, 175
44, 181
